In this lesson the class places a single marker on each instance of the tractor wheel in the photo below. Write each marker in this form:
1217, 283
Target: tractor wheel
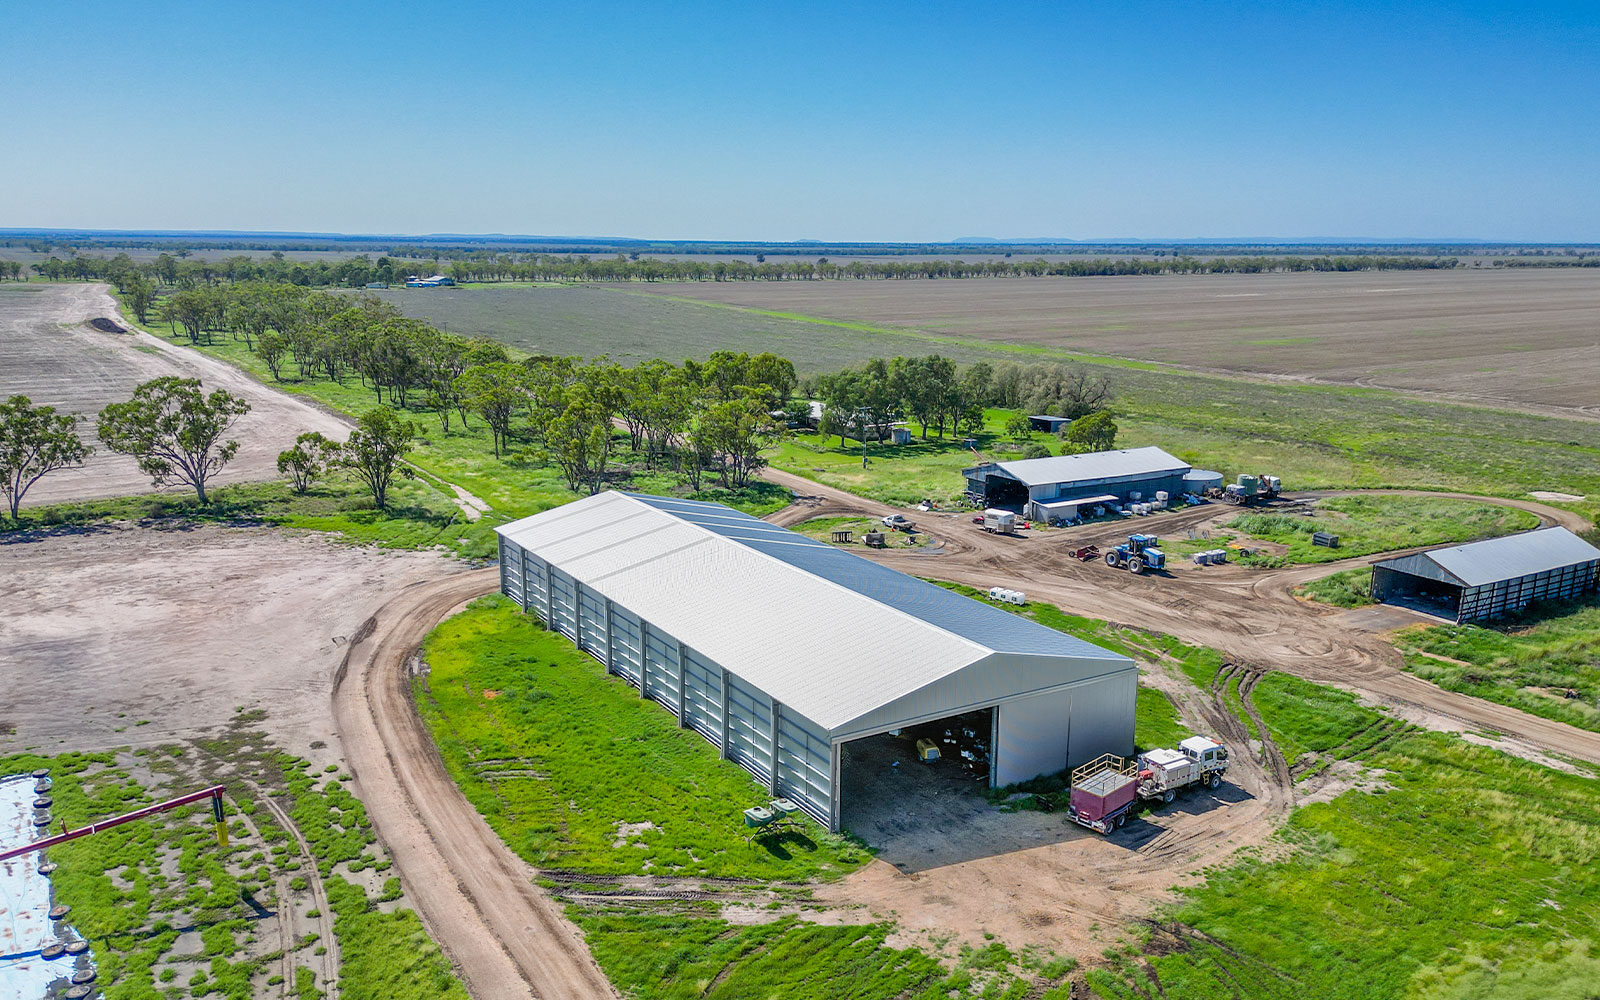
1111, 559
1136, 565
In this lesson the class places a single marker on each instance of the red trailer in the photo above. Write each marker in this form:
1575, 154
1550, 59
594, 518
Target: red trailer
1104, 792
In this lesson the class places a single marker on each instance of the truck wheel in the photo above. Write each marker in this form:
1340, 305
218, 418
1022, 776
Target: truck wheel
1168, 796
1136, 565
1122, 819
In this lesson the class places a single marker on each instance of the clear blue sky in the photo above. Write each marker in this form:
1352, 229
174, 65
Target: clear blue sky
826, 121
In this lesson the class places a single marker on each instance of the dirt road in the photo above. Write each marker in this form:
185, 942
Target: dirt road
475, 895
50, 354
1251, 615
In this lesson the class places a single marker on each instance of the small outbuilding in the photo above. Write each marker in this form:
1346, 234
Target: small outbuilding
1037, 486
1488, 579
804, 663
1045, 422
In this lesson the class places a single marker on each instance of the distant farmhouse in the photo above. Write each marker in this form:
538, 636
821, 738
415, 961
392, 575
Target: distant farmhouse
434, 281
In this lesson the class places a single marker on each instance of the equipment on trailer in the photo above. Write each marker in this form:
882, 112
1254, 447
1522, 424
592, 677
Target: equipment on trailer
1138, 554
1248, 489
1197, 761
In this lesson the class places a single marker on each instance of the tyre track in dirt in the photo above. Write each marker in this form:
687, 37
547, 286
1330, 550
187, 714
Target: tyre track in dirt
476, 897
1250, 616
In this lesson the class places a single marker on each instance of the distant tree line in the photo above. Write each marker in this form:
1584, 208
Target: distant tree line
174, 271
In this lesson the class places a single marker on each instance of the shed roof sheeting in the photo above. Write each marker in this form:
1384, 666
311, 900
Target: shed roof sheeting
1479, 563
827, 633
1125, 463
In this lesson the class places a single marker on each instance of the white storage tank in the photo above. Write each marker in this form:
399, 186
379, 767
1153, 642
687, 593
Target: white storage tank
1197, 481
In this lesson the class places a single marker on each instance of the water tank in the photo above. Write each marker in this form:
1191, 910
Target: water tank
1199, 480
1161, 495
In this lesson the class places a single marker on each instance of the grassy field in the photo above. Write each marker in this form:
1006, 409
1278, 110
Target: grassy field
1156, 721
1366, 525
531, 729
1532, 662
134, 888
1348, 588
1501, 903
420, 514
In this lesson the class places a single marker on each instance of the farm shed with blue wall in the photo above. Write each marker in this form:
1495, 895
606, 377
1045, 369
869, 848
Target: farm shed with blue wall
1031, 484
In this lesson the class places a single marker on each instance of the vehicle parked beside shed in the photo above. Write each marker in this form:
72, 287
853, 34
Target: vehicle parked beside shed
1488, 579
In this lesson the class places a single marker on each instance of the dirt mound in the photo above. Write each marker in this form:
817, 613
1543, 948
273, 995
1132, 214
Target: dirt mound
107, 325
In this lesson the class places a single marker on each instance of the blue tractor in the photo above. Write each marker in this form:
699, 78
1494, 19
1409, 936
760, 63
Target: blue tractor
1138, 554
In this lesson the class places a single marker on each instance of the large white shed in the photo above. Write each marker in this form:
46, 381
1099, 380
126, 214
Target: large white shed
780, 649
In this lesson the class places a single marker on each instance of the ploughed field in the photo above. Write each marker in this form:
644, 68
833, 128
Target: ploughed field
1521, 336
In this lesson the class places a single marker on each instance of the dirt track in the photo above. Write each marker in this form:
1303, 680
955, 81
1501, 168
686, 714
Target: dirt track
475, 895
1250, 615
49, 353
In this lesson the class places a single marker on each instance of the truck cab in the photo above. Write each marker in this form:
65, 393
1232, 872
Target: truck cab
1209, 754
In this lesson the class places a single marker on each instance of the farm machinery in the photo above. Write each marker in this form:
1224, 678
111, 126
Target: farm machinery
1086, 553
1107, 790
1248, 489
1137, 554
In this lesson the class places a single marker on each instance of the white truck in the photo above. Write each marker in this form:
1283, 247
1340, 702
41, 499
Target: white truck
1197, 761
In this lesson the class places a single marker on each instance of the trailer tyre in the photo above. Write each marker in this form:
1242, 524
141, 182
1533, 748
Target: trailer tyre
1122, 820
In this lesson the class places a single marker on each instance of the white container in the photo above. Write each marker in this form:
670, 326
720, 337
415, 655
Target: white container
1135, 495
1161, 495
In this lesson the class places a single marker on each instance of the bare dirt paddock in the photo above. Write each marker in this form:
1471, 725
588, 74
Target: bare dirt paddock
1519, 336
49, 353
124, 636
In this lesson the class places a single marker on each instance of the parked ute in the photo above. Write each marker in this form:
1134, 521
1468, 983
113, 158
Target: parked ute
898, 522
1197, 761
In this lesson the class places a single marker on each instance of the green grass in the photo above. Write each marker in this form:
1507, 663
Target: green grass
131, 887
904, 473
564, 753
1528, 662
1348, 588
1156, 721
1370, 524
1472, 875
822, 529
418, 517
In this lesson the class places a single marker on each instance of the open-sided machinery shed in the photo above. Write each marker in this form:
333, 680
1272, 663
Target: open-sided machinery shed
1041, 487
1490, 578
780, 649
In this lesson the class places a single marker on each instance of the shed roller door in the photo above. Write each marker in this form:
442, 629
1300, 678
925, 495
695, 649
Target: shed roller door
749, 727
661, 669
702, 684
626, 656
564, 600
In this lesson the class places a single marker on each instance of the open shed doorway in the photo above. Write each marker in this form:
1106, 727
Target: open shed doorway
888, 791
1407, 590
1003, 492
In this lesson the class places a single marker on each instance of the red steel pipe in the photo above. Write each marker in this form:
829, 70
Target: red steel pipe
214, 793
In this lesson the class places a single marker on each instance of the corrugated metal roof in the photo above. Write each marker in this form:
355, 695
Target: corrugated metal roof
830, 634
1478, 563
1092, 466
